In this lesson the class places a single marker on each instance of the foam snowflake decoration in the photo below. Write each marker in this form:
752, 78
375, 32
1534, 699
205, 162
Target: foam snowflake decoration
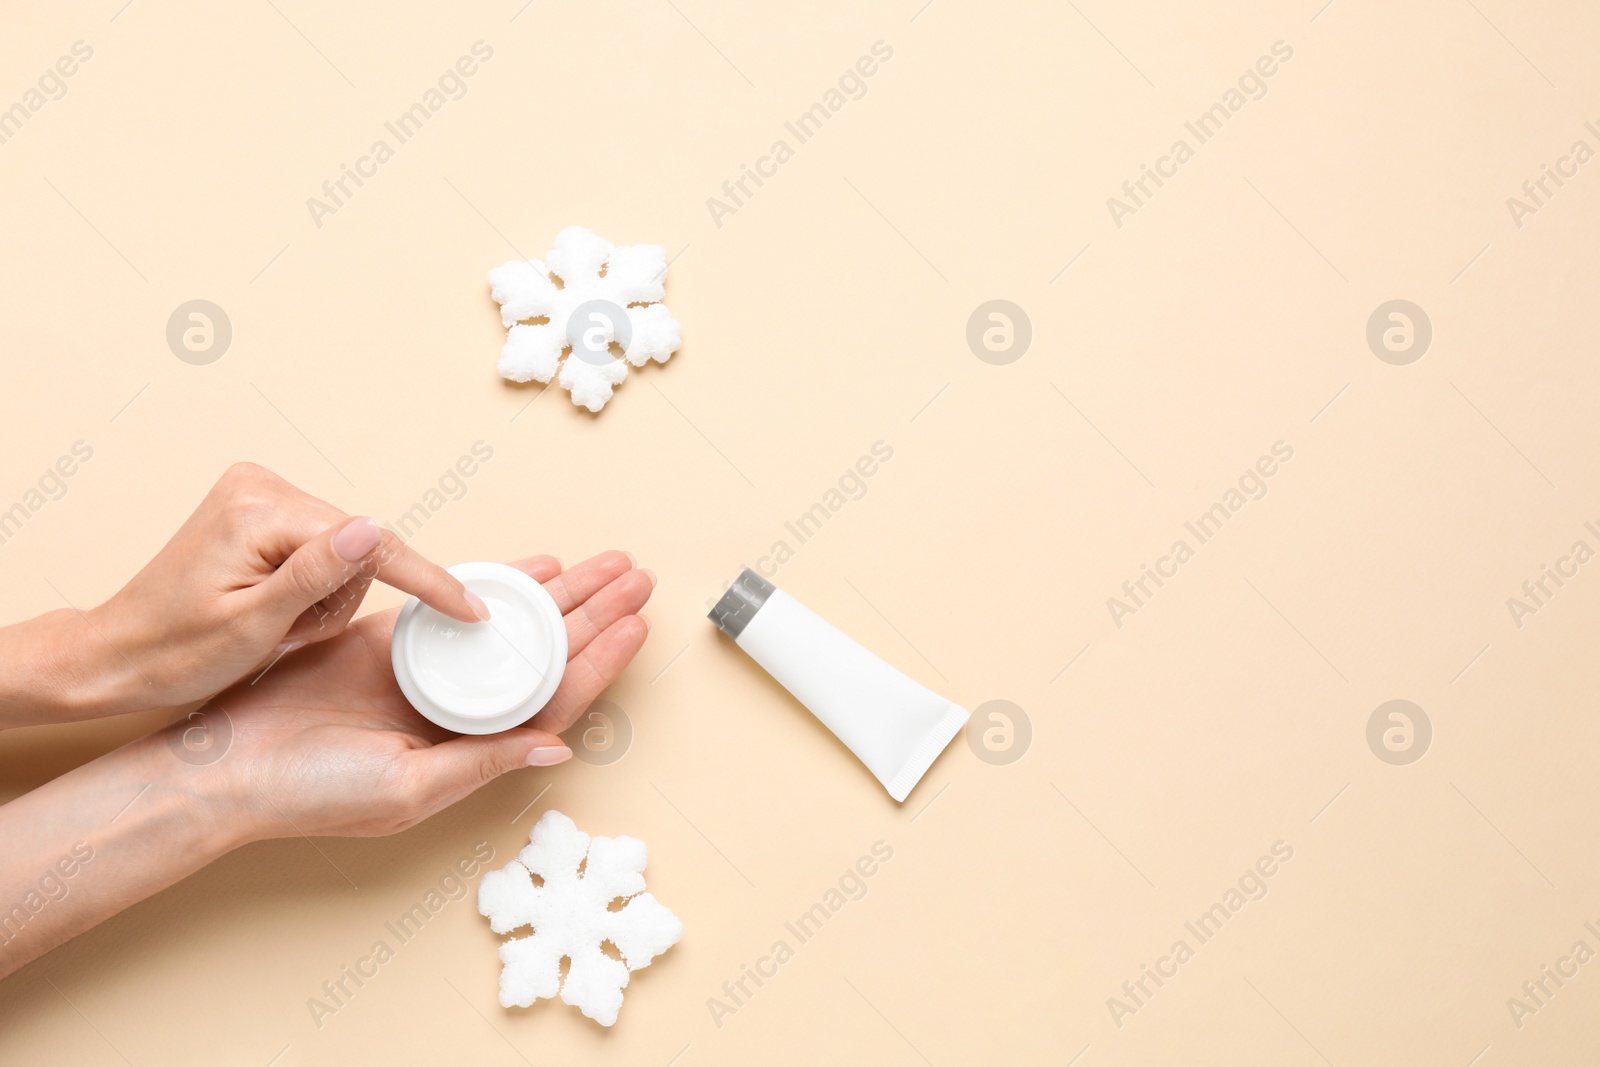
572, 914
606, 295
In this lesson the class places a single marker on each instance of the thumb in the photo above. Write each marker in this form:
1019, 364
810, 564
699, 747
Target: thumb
456, 768
315, 570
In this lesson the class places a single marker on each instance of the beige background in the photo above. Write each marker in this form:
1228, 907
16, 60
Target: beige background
827, 314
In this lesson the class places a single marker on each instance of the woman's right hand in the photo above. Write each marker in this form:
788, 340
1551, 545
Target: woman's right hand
260, 569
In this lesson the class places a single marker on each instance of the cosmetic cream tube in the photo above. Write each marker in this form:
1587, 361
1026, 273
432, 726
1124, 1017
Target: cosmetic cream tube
893, 725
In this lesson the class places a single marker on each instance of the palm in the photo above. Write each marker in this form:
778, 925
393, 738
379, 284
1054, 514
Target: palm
326, 743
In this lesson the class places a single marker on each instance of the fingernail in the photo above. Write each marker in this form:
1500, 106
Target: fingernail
633, 561
358, 537
476, 603
650, 574
286, 647
549, 755
646, 620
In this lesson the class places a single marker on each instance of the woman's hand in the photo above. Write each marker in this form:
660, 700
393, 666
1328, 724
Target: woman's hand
258, 570
326, 743
323, 743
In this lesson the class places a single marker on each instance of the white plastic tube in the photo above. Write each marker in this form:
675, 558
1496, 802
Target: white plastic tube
893, 725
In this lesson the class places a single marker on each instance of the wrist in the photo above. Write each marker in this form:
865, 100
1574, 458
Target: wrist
196, 801
122, 827
61, 667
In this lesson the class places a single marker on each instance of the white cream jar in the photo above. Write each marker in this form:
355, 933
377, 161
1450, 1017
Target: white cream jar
481, 678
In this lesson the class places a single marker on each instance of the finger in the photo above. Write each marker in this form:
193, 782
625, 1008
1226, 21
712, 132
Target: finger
540, 568
407, 570
328, 617
454, 769
591, 671
621, 597
315, 570
577, 584
293, 518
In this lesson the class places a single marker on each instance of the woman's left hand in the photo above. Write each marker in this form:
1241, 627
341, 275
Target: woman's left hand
326, 743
